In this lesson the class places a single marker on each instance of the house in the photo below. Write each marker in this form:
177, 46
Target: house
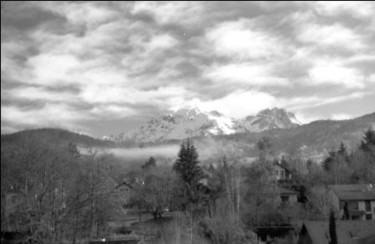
353, 202
281, 173
348, 232
286, 196
282, 196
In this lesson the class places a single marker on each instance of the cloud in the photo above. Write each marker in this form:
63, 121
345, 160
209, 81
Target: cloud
52, 69
53, 115
39, 94
372, 78
238, 104
89, 14
332, 72
359, 9
102, 63
112, 111
183, 13
242, 39
300, 103
341, 116
117, 94
334, 35
245, 73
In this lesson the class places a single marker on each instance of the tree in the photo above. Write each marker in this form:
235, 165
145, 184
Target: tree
190, 173
337, 165
153, 193
332, 229
264, 147
151, 162
368, 141
63, 194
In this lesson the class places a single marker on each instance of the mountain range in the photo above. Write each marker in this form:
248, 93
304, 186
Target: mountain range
187, 123
216, 134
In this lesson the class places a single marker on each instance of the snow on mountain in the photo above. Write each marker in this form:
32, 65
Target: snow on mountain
186, 123
270, 119
183, 124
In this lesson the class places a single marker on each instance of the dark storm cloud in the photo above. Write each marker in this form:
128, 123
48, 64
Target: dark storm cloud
26, 17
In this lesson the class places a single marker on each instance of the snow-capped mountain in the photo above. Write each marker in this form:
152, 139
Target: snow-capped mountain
270, 119
193, 122
183, 124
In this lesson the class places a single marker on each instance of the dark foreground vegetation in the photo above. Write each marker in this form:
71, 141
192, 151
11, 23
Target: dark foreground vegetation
53, 193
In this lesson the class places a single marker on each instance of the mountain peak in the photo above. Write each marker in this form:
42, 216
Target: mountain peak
271, 119
192, 122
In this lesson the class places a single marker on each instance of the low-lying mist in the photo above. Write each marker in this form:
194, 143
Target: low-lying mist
209, 151
164, 151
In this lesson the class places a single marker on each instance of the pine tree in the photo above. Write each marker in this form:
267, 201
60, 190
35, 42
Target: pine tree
151, 162
186, 166
342, 149
332, 229
368, 141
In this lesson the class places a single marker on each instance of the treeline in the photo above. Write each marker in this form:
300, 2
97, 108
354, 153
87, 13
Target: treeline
358, 166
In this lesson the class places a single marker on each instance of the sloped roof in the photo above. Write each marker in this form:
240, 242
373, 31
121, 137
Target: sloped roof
354, 192
348, 231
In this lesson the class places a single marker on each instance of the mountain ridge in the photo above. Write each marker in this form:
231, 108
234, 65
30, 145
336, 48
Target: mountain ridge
193, 122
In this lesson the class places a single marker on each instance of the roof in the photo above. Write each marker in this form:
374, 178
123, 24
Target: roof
354, 192
348, 231
282, 166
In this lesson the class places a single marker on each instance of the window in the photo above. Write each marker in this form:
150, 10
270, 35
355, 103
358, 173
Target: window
353, 205
368, 206
368, 216
355, 217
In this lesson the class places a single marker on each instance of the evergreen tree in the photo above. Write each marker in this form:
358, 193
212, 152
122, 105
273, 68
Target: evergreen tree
332, 229
329, 160
151, 162
342, 150
368, 141
186, 166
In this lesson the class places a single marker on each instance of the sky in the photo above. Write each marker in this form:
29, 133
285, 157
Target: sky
103, 68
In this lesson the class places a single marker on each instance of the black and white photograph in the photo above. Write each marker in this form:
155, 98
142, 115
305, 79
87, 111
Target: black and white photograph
187, 122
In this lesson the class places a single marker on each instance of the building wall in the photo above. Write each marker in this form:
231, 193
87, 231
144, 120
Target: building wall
279, 172
292, 199
361, 205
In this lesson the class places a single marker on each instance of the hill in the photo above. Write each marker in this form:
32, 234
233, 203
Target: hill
57, 136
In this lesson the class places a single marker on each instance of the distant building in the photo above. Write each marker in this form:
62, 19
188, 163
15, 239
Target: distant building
281, 173
286, 196
348, 232
353, 202
283, 196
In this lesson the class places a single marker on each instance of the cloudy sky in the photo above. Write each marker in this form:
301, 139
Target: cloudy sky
105, 67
